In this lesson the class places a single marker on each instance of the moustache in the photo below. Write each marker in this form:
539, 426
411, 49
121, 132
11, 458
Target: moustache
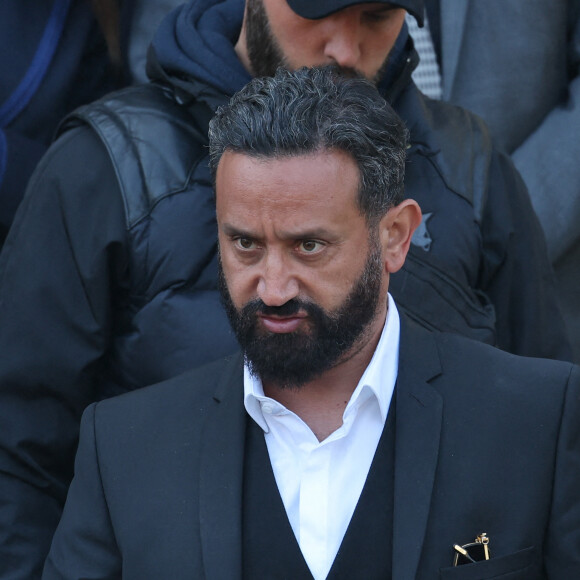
257, 306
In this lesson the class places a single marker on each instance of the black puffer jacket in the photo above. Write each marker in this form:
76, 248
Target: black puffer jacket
108, 278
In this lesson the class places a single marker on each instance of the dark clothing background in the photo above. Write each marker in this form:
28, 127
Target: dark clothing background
108, 284
516, 63
434, 16
54, 47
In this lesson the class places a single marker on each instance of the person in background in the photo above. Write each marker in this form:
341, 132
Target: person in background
56, 56
109, 276
517, 64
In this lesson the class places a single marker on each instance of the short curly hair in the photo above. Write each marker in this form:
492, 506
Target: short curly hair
313, 109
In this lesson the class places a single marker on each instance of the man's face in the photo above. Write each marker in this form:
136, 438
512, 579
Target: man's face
303, 279
356, 38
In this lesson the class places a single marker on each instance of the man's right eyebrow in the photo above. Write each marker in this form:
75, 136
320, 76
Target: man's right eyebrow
231, 230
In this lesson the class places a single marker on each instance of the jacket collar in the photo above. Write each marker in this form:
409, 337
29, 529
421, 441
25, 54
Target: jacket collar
403, 60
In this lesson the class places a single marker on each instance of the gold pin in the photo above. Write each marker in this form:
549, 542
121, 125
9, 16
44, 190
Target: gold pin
483, 539
477, 551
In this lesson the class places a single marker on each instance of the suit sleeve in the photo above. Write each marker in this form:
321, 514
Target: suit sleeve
84, 544
516, 271
61, 260
562, 551
548, 159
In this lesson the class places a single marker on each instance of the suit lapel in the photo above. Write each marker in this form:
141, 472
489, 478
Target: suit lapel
418, 426
453, 19
221, 478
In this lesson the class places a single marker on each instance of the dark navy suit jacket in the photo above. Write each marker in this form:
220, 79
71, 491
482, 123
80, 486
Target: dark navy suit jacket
485, 442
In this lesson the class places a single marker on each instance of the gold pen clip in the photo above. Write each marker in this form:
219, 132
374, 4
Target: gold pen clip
474, 552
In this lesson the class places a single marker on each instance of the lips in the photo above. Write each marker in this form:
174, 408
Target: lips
282, 324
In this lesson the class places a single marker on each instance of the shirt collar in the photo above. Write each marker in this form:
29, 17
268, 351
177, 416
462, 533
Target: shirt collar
379, 377
381, 373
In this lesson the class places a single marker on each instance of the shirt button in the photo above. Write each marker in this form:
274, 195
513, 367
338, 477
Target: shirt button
267, 408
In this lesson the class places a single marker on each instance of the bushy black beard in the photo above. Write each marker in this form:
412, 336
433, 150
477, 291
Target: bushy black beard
290, 360
264, 53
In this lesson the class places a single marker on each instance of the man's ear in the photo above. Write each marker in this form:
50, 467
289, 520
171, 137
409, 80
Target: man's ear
396, 230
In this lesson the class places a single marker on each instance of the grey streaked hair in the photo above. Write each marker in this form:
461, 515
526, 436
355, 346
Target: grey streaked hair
313, 109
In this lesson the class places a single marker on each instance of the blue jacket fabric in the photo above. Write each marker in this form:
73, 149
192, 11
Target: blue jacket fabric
108, 276
54, 59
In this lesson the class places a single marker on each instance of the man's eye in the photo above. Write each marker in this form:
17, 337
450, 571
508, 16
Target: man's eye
310, 246
245, 243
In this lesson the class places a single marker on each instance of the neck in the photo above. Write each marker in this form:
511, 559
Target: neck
321, 402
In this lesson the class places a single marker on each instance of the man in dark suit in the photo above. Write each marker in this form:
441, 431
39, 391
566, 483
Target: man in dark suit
346, 442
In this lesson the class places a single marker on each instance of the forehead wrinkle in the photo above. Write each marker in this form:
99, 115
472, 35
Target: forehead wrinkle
272, 189
298, 190
283, 232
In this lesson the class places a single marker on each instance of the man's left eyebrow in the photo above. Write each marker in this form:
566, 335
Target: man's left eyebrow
313, 234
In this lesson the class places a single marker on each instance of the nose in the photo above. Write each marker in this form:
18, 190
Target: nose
343, 44
276, 284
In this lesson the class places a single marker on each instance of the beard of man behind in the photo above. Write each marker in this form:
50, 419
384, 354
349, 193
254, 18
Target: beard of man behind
266, 55
290, 360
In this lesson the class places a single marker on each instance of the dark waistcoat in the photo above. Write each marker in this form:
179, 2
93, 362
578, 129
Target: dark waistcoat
270, 549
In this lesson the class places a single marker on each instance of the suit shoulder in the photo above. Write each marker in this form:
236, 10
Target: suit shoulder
174, 399
500, 369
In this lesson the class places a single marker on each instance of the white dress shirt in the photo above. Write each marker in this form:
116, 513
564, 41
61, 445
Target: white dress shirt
320, 482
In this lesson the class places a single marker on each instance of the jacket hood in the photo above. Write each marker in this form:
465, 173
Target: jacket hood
193, 51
